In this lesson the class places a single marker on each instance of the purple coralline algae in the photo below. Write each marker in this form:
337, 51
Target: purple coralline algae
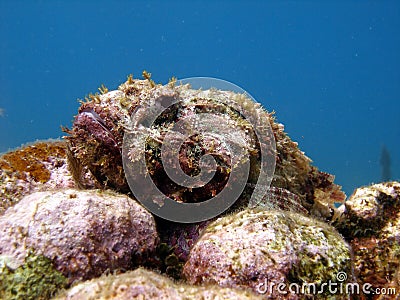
84, 233
370, 221
144, 284
259, 249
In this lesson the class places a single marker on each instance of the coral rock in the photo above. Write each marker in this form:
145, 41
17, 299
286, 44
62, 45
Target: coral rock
143, 284
36, 167
177, 239
84, 233
258, 248
371, 223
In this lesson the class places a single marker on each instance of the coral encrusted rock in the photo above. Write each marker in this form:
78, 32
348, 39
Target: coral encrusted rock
96, 140
371, 223
84, 233
255, 249
177, 239
143, 284
35, 167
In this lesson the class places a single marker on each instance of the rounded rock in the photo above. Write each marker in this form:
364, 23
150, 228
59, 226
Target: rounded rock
84, 233
143, 284
254, 248
371, 223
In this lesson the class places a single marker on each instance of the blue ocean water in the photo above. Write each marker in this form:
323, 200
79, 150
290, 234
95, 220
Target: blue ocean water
330, 69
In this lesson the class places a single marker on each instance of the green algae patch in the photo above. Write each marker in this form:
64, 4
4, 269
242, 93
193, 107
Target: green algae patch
36, 278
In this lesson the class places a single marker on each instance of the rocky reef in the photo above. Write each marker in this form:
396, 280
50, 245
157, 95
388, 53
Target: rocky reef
68, 218
370, 221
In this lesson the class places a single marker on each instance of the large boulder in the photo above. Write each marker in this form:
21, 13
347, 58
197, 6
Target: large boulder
256, 249
84, 233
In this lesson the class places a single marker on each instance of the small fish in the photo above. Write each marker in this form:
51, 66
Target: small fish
2, 112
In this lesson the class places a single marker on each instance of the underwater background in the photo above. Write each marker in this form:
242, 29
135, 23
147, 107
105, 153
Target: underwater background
329, 69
